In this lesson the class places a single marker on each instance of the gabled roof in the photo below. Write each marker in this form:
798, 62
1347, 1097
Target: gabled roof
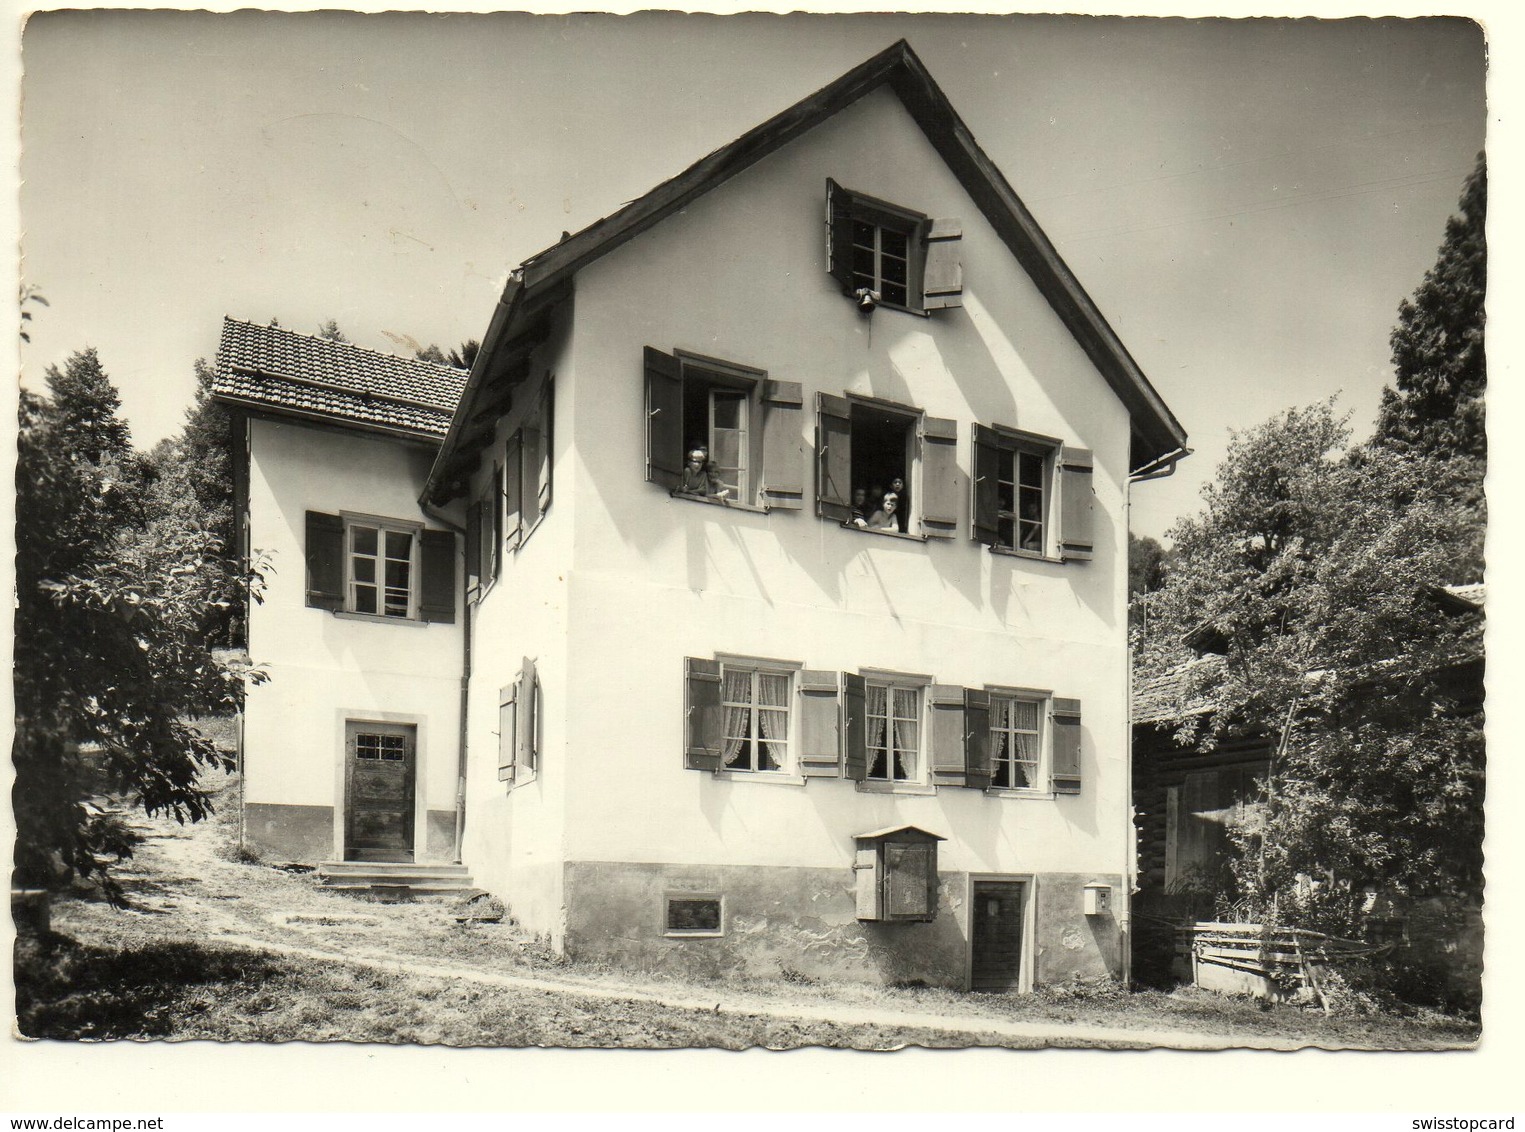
277, 370
533, 288
1161, 698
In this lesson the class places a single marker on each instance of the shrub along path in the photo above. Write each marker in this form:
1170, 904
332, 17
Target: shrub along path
223, 949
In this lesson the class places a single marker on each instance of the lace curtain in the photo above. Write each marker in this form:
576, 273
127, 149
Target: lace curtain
737, 693
772, 720
905, 732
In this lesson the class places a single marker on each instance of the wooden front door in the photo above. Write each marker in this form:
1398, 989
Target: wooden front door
379, 774
996, 931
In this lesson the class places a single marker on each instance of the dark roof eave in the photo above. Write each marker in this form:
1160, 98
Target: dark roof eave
256, 407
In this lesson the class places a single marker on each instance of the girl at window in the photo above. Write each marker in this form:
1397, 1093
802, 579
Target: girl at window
885, 518
700, 476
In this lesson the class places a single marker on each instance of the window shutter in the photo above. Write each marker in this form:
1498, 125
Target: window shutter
325, 561
986, 501
507, 731
486, 566
497, 519
547, 448
437, 600
911, 880
834, 457
664, 420
942, 282
705, 718
525, 726
1075, 500
939, 478
513, 523
839, 235
868, 887
977, 768
948, 767
529, 476
854, 727
473, 551
783, 444
820, 731
1066, 775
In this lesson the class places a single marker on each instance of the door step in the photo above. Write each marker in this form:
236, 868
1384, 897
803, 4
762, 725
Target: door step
399, 880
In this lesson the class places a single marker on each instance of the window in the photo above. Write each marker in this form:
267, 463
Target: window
743, 428
1017, 481
1016, 741
756, 706
380, 748
384, 568
693, 915
526, 484
867, 450
893, 713
519, 727
895, 256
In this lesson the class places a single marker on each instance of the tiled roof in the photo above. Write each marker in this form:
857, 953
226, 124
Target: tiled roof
1159, 698
268, 365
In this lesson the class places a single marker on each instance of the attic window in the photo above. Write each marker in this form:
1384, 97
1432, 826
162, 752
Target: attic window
883, 254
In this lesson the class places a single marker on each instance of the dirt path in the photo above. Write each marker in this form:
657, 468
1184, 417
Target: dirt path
186, 889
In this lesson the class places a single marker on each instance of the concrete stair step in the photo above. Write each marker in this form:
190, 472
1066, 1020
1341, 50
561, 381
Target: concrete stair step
405, 891
404, 879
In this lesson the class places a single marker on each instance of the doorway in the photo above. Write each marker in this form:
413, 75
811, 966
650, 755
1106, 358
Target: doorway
380, 769
995, 928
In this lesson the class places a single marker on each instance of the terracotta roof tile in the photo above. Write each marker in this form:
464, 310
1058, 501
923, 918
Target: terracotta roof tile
269, 365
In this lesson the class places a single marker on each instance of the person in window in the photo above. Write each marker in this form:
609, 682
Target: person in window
700, 477
860, 507
903, 499
885, 518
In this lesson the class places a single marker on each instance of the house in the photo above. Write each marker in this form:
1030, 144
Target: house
1187, 799
721, 712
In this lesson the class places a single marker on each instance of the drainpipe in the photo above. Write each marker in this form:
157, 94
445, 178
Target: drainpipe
460, 764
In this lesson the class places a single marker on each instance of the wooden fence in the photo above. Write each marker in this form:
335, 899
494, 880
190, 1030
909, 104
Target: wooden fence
1275, 963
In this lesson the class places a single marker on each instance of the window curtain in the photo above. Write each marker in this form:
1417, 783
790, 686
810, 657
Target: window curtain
1024, 721
1000, 722
877, 708
772, 720
905, 732
737, 693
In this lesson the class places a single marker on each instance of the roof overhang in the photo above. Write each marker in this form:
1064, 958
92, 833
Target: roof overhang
1155, 431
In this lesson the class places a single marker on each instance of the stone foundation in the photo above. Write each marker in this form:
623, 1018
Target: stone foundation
289, 833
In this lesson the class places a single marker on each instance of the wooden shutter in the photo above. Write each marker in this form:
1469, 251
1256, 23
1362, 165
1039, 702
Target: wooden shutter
437, 594
820, 725
325, 561
783, 444
947, 701
942, 283
854, 727
507, 731
910, 879
977, 768
704, 716
529, 476
547, 447
868, 887
664, 419
513, 524
526, 751
985, 503
474, 551
839, 235
939, 477
1075, 501
495, 521
1066, 773
834, 457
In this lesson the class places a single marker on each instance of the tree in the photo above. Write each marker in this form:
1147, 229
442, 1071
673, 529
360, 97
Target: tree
460, 358
329, 330
110, 657
1438, 360
1311, 570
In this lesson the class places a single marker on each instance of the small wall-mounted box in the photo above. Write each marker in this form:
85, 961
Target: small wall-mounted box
896, 875
1098, 900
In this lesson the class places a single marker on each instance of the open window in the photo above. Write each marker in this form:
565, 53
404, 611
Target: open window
721, 432
1031, 494
868, 450
739, 715
895, 256
527, 468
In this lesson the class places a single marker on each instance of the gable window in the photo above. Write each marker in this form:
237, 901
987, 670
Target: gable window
893, 713
869, 450
881, 253
383, 568
723, 433
1019, 479
1016, 741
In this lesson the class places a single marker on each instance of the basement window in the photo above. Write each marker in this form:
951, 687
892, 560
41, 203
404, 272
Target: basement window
693, 915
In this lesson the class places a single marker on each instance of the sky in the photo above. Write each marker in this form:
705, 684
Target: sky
1246, 201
